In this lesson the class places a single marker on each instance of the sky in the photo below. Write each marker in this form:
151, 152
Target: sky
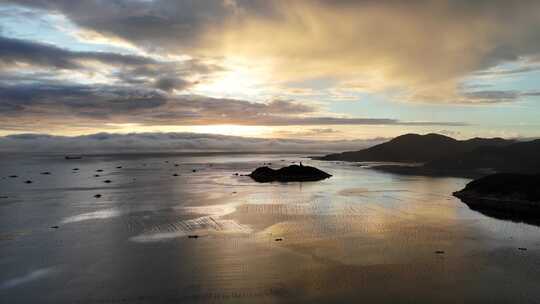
306, 69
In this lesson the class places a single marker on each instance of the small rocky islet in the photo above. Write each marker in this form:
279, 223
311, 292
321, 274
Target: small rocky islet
292, 173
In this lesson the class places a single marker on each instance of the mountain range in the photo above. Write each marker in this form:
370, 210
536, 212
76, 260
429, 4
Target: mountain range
437, 154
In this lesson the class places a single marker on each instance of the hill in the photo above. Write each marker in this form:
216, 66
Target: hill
519, 157
417, 148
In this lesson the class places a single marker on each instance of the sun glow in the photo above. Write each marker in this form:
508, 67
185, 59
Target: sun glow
223, 129
235, 130
239, 80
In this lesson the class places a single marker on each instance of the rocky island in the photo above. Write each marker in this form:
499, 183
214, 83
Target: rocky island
293, 173
504, 195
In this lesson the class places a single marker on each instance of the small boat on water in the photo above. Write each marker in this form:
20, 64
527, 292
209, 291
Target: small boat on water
73, 157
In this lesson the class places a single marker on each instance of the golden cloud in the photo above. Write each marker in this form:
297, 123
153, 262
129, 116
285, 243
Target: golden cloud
422, 47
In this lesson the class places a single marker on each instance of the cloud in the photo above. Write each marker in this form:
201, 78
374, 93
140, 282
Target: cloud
284, 121
170, 142
57, 104
314, 132
422, 47
18, 55
494, 96
76, 100
17, 50
157, 25
169, 83
490, 96
512, 71
322, 51
143, 92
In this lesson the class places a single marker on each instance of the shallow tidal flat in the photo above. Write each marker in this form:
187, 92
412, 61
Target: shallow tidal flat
208, 235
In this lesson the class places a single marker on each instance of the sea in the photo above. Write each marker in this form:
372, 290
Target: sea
194, 228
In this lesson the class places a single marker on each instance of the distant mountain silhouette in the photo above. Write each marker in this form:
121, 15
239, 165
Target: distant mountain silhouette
417, 148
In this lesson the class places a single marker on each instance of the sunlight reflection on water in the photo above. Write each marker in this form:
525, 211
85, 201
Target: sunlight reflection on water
360, 229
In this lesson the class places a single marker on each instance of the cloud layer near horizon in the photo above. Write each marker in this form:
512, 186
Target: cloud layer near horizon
171, 142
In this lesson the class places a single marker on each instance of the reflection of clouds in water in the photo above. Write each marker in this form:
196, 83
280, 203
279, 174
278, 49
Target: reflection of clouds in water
366, 192
214, 210
204, 224
155, 237
29, 277
100, 214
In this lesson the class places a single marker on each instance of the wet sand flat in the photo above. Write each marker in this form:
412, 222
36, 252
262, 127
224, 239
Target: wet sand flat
211, 236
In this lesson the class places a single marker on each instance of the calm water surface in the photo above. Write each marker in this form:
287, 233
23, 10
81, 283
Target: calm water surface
361, 235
